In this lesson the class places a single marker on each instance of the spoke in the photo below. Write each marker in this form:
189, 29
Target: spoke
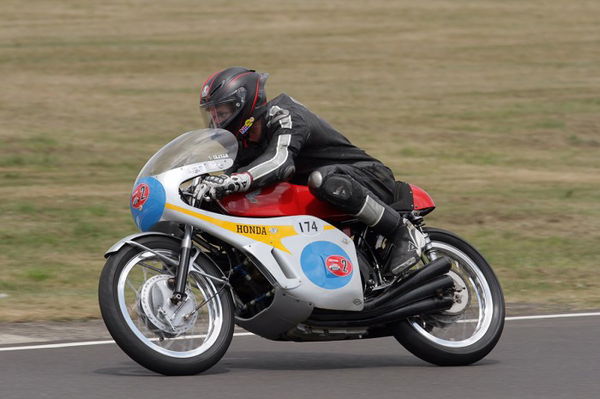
205, 301
186, 344
193, 331
147, 266
133, 310
130, 285
203, 292
463, 328
143, 326
168, 343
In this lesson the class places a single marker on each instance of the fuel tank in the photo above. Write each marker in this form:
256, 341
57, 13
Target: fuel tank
285, 199
282, 199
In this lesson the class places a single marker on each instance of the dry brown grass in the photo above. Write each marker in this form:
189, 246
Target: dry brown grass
492, 106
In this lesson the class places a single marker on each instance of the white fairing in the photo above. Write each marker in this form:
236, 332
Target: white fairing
293, 249
307, 257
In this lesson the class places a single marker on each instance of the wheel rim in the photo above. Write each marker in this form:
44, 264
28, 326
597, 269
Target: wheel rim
458, 330
187, 338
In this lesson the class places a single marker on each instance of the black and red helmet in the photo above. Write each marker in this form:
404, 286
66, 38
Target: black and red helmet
233, 99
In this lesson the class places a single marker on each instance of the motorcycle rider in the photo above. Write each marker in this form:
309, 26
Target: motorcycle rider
282, 140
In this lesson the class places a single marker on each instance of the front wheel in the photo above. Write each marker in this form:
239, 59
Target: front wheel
470, 329
173, 339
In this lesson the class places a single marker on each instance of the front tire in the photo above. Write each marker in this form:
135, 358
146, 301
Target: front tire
469, 330
134, 296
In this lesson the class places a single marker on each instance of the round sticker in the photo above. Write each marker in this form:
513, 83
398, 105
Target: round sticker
338, 265
326, 265
147, 209
140, 196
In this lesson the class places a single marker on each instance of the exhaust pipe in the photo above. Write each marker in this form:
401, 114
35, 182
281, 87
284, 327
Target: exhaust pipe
428, 305
431, 289
436, 268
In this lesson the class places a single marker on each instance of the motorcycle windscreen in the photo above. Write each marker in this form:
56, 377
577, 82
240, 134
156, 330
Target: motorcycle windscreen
212, 149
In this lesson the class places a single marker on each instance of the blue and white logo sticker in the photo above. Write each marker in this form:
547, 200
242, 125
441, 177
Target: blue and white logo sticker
326, 264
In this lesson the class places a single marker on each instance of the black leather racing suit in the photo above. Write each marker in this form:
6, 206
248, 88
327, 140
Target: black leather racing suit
304, 148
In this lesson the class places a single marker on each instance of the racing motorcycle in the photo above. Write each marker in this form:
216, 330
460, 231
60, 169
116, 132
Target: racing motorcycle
284, 266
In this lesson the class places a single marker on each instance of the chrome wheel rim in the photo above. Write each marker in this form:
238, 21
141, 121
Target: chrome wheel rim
184, 342
465, 328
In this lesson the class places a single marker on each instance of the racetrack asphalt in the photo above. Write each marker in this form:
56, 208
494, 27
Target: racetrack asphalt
539, 358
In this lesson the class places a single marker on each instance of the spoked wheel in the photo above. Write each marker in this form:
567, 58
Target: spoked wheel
470, 329
174, 339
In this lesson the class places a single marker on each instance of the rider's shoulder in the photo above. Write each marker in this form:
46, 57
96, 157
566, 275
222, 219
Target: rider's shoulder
282, 111
285, 101
284, 108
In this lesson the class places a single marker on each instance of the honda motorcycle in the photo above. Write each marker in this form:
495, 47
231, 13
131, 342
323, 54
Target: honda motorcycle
283, 265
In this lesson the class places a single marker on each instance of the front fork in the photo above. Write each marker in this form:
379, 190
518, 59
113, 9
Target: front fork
184, 266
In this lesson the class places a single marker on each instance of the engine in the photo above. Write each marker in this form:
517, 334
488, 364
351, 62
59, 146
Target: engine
253, 291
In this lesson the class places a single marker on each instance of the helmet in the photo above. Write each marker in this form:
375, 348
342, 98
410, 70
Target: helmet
233, 99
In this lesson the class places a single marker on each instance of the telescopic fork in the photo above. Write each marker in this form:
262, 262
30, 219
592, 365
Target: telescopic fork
184, 255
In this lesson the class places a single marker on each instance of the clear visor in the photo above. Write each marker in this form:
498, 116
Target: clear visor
220, 115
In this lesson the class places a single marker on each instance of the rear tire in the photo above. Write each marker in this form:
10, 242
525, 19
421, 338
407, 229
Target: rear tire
135, 305
468, 331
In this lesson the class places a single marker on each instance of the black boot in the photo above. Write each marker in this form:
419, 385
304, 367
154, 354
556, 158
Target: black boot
404, 252
386, 221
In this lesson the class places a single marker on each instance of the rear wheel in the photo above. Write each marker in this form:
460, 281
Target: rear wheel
470, 329
173, 339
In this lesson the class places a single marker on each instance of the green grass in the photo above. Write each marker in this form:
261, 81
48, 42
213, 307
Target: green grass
492, 106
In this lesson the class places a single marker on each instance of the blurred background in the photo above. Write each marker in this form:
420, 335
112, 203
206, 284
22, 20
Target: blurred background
493, 107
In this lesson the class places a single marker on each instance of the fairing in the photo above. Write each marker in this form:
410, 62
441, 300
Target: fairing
306, 256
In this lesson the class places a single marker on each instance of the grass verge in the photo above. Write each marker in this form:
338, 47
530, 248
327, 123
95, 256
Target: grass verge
492, 107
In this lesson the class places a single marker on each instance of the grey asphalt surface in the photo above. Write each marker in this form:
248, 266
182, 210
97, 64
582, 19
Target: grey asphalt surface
551, 358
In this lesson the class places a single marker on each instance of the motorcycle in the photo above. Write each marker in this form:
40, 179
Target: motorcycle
282, 265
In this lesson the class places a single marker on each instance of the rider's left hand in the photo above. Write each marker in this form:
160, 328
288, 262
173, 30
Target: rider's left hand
222, 185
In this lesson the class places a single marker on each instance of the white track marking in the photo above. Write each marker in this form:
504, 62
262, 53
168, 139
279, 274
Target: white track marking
245, 334
84, 343
544, 316
553, 316
53, 346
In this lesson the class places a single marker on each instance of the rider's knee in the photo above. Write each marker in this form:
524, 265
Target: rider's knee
333, 188
337, 187
315, 180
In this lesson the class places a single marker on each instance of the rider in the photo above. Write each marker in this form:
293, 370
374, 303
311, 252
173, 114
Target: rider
283, 140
